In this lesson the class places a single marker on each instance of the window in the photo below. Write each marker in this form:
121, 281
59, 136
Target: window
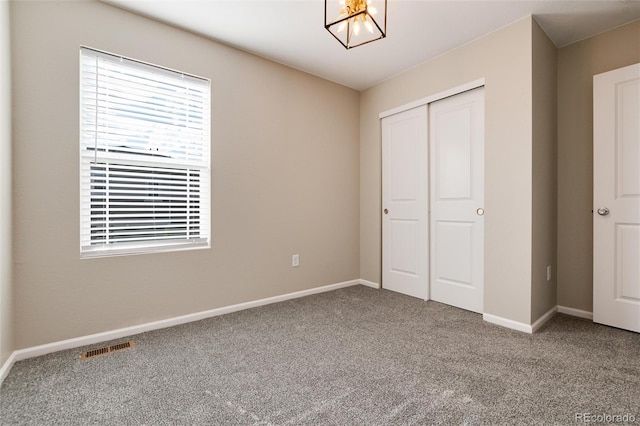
144, 154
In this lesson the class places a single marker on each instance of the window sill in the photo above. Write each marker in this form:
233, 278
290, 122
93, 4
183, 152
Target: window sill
135, 249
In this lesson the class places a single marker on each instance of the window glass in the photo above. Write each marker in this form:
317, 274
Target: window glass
144, 153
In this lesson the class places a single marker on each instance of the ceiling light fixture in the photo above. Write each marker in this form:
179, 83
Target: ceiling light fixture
356, 22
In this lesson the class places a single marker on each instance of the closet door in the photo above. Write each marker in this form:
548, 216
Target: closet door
404, 202
456, 139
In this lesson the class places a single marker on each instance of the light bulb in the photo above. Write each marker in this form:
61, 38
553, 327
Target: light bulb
372, 10
356, 27
368, 25
342, 26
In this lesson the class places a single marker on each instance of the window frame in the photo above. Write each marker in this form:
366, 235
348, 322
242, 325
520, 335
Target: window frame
195, 175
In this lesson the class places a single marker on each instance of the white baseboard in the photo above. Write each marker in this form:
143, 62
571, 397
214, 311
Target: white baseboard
156, 325
6, 367
369, 283
520, 326
575, 312
504, 322
544, 318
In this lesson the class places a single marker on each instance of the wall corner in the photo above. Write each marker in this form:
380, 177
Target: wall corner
6, 246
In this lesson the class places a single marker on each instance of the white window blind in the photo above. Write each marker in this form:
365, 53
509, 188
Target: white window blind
144, 152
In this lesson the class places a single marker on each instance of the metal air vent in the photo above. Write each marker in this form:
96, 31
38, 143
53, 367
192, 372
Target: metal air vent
107, 350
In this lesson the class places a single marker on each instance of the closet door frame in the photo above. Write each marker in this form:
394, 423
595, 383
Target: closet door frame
424, 162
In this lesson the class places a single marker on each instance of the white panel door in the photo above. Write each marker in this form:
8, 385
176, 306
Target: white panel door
616, 197
456, 139
404, 202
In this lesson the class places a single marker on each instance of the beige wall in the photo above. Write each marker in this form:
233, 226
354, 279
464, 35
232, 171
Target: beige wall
285, 179
6, 297
577, 64
545, 160
288, 175
503, 59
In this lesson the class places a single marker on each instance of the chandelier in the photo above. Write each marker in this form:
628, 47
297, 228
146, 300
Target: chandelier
356, 22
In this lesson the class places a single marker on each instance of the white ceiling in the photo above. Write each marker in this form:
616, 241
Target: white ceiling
292, 31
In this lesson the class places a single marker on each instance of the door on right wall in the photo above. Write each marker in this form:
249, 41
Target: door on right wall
616, 198
456, 145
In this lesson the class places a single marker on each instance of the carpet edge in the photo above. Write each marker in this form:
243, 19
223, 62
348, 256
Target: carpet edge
34, 351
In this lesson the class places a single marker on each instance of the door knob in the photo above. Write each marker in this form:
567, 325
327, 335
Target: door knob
480, 211
603, 211
386, 211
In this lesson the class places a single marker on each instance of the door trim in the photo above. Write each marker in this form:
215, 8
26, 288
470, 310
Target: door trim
432, 98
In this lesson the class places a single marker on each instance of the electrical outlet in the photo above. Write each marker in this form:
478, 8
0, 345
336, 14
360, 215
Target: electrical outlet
549, 273
295, 260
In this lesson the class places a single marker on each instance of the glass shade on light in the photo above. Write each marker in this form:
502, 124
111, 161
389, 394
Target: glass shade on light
356, 22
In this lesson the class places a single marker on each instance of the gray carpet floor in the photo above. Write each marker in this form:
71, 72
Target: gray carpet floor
355, 356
